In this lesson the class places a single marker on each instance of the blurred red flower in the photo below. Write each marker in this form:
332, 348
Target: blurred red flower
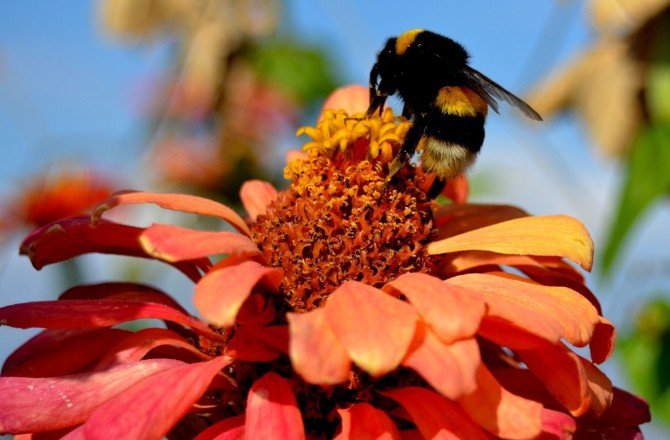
53, 197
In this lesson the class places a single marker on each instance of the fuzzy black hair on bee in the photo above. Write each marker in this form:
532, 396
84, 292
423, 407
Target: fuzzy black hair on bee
446, 99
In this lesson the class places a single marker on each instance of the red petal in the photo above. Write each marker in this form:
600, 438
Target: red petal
363, 421
85, 313
626, 410
547, 311
136, 345
375, 328
602, 341
451, 313
559, 236
435, 416
501, 412
449, 368
272, 411
75, 434
68, 400
588, 432
230, 429
172, 243
150, 408
222, 291
316, 353
557, 425
176, 202
42, 342
246, 346
256, 195
76, 236
68, 355
275, 336
121, 291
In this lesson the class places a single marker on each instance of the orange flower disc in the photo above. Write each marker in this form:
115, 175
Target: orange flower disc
338, 222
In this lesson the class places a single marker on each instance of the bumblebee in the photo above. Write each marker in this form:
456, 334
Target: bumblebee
446, 100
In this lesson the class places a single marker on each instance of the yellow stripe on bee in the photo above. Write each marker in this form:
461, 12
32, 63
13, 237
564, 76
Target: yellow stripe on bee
461, 101
404, 40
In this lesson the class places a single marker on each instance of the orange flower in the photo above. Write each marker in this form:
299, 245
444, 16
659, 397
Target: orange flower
50, 198
346, 308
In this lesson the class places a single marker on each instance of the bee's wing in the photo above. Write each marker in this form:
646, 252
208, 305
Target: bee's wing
490, 92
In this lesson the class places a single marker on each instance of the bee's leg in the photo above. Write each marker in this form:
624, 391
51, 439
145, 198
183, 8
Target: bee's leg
436, 188
408, 148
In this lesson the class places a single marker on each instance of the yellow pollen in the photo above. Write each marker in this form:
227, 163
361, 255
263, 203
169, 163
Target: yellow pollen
356, 137
405, 40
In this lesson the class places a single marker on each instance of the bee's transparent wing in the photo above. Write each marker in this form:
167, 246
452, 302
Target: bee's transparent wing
491, 91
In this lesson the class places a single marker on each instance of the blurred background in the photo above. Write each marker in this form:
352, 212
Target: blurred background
198, 96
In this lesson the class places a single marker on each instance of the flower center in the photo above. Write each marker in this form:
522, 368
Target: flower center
338, 221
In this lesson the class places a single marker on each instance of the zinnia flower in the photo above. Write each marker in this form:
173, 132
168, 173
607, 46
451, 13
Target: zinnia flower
343, 308
53, 197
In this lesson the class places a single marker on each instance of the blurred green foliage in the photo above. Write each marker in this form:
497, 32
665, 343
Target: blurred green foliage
647, 179
646, 355
302, 71
647, 169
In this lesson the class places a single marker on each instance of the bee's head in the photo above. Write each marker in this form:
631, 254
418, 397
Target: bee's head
383, 76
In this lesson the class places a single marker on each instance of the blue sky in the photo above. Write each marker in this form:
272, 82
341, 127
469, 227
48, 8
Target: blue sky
68, 91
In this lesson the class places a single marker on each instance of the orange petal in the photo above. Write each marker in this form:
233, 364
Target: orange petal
458, 218
176, 202
363, 421
450, 369
602, 341
172, 243
500, 412
222, 291
272, 411
353, 98
450, 313
316, 354
435, 416
563, 375
559, 236
543, 267
575, 382
256, 195
457, 189
375, 328
550, 312
600, 387
513, 336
